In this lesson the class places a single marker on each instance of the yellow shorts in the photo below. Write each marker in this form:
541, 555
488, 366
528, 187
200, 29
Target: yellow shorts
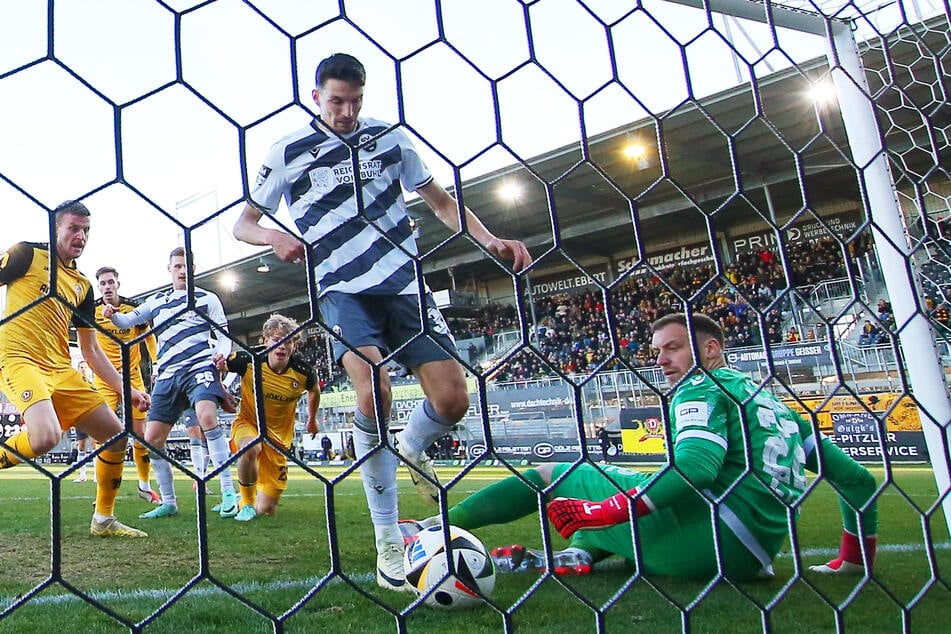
24, 383
113, 398
272, 464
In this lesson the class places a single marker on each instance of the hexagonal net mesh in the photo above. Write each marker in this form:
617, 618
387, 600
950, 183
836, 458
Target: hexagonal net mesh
777, 168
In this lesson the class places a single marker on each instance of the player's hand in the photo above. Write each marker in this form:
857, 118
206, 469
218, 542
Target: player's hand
229, 402
108, 310
849, 561
288, 248
220, 362
312, 428
514, 250
140, 400
568, 515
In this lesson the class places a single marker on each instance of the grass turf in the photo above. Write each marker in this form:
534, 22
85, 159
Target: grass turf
285, 573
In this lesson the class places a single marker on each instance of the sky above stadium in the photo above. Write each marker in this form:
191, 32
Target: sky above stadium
59, 139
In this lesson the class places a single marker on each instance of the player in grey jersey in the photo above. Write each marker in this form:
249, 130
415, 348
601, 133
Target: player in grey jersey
363, 251
186, 376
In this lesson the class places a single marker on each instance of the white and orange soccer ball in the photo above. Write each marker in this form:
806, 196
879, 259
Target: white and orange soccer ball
426, 564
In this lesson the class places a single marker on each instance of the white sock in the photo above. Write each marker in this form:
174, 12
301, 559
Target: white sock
145, 486
219, 452
163, 476
379, 478
196, 452
423, 428
205, 455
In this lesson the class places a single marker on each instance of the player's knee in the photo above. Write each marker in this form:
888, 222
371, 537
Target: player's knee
43, 440
252, 452
452, 406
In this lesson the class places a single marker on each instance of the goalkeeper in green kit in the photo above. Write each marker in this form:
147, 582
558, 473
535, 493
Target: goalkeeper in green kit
739, 454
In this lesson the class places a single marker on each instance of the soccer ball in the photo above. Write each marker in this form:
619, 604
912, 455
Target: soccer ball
425, 563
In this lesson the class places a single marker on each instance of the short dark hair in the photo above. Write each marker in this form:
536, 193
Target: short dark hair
106, 269
73, 207
177, 252
700, 322
343, 67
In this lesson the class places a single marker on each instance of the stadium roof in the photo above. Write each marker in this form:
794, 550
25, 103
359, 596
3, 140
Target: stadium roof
590, 185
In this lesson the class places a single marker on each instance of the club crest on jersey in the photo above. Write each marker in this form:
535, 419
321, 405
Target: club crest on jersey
366, 139
321, 179
79, 291
295, 384
26, 396
337, 330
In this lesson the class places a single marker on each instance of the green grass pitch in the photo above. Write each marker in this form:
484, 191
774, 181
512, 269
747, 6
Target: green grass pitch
280, 569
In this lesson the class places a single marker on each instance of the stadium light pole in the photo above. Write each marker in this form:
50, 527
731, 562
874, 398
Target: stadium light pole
865, 139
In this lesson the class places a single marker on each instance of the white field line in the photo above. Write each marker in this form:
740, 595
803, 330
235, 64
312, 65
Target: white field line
360, 578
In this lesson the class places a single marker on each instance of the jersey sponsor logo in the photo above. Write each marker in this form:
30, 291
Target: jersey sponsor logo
691, 413
326, 179
263, 173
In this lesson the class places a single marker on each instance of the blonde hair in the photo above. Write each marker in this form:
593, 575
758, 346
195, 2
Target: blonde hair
279, 326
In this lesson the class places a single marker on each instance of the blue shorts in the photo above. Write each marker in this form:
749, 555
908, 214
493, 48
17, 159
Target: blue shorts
387, 322
172, 396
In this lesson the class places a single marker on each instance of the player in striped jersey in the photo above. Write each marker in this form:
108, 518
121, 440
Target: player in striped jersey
46, 294
111, 339
342, 178
190, 343
739, 453
285, 377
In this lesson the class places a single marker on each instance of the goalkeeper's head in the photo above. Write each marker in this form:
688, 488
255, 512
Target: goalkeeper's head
673, 342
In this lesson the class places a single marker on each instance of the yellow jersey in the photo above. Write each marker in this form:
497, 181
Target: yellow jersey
40, 333
111, 338
281, 393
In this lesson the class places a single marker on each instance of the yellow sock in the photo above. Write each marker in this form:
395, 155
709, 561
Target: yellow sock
108, 478
19, 441
142, 462
249, 493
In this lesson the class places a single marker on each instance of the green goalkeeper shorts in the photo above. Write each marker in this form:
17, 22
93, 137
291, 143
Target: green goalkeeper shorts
676, 541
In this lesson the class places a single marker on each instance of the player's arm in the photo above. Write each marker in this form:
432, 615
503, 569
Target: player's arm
216, 312
313, 402
84, 319
698, 458
142, 314
444, 207
248, 229
100, 364
15, 262
856, 487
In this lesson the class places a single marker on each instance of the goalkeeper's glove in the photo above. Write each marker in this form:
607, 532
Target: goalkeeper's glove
569, 515
849, 561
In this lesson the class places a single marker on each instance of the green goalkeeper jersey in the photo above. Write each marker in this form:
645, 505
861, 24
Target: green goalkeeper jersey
742, 447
